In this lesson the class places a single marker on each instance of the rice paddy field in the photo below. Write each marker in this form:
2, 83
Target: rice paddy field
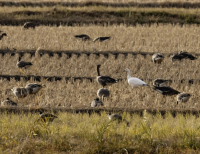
67, 66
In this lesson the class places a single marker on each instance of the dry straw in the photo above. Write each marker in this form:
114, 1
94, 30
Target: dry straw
164, 38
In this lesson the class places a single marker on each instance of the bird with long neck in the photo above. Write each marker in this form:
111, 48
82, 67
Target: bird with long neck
134, 82
104, 80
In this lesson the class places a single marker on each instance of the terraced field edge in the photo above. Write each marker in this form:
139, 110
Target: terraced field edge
83, 4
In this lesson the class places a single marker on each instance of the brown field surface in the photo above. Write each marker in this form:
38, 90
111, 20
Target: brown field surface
85, 66
164, 38
80, 95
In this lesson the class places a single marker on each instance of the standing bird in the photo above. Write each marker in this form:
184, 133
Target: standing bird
117, 117
104, 80
46, 117
166, 90
28, 25
103, 92
182, 55
19, 92
157, 58
183, 97
101, 39
84, 37
8, 102
160, 82
134, 82
96, 103
2, 35
23, 64
33, 88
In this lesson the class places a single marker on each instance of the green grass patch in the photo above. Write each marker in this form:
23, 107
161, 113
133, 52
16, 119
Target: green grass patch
82, 133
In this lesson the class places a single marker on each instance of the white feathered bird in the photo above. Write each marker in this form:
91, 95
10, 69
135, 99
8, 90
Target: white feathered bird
134, 82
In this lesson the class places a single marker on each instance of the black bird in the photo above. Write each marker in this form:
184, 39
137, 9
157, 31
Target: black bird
21, 64
101, 39
160, 82
166, 90
47, 117
28, 25
104, 80
84, 37
2, 35
183, 55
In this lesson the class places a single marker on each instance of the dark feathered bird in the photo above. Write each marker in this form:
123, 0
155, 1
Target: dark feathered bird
20, 92
29, 25
96, 103
103, 92
117, 117
33, 88
166, 90
101, 39
2, 35
84, 37
182, 55
23, 64
47, 117
157, 58
160, 82
8, 102
183, 97
104, 80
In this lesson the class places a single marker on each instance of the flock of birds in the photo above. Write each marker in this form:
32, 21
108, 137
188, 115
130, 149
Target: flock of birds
158, 84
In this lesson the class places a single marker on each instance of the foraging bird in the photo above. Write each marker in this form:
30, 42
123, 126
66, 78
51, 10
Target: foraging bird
23, 64
46, 117
183, 97
19, 92
157, 58
84, 37
103, 92
96, 103
8, 102
166, 90
182, 55
2, 35
33, 88
104, 80
134, 82
117, 117
29, 25
160, 82
101, 39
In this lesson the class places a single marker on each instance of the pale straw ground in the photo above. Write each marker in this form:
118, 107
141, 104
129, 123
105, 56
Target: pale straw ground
163, 38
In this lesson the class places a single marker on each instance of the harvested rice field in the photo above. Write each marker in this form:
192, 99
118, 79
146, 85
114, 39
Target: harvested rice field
50, 79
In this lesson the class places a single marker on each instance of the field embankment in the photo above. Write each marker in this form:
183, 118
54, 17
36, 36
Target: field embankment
105, 3
97, 15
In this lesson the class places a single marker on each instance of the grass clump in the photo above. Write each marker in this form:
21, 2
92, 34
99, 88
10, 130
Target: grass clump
81, 133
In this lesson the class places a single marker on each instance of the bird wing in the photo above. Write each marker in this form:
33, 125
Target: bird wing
23, 64
107, 79
136, 82
166, 90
